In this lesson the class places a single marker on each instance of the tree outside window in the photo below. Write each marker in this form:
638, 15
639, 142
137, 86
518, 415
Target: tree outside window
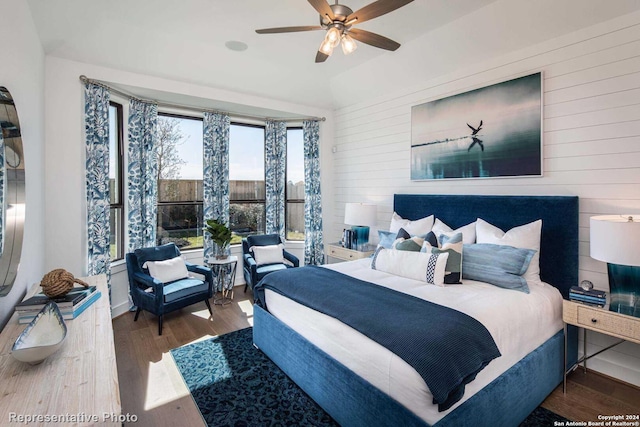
179, 152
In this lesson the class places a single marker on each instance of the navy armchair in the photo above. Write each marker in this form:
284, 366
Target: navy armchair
253, 272
159, 298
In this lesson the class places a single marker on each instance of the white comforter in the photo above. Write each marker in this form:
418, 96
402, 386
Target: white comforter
518, 322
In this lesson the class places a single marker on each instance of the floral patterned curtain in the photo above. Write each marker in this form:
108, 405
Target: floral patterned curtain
96, 122
313, 242
275, 153
216, 171
142, 174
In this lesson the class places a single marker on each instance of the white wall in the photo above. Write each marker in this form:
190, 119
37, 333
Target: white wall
591, 140
65, 234
22, 72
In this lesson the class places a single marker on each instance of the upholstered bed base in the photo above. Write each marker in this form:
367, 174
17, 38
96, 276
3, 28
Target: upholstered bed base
506, 401
352, 401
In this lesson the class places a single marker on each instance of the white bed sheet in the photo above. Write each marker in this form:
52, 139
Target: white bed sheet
518, 322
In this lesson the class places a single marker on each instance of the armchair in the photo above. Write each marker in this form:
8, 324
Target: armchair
154, 296
253, 272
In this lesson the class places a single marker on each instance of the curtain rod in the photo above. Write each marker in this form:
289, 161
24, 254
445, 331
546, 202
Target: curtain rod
128, 95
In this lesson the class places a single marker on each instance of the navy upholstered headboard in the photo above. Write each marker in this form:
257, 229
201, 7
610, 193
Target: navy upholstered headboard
559, 214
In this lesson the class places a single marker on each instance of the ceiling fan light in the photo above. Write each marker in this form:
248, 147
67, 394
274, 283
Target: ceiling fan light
348, 44
326, 47
333, 36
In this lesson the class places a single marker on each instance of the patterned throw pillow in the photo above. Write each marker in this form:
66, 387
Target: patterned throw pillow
453, 246
413, 244
412, 265
406, 242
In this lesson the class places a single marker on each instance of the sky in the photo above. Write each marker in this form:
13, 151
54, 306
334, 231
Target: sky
246, 152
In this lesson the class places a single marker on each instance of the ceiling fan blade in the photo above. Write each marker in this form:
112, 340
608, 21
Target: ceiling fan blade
321, 57
289, 29
376, 9
373, 39
322, 7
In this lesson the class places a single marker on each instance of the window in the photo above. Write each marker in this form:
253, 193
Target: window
180, 164
116, 182
295, 185
246, 180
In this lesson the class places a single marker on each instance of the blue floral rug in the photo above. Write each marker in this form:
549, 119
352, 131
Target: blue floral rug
234, 384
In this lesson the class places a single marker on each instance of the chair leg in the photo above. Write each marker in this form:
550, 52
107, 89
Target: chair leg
208, 306
160, 325
138, 309
245, 288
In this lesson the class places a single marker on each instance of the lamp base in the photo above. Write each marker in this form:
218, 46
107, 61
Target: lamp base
624, 286
361, 234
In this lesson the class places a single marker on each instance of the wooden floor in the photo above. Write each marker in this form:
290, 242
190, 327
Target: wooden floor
151, 386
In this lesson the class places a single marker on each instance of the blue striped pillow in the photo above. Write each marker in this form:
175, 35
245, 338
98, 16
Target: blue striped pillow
498, 265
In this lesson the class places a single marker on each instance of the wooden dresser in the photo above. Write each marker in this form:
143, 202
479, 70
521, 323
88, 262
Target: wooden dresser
78, 385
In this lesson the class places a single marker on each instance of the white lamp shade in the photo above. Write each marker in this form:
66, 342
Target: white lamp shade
360, 214
615, 239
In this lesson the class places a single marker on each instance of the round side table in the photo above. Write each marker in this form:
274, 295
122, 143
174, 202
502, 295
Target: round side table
224, 271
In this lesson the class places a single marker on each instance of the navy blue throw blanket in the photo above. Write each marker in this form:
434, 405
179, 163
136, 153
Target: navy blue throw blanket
446, 347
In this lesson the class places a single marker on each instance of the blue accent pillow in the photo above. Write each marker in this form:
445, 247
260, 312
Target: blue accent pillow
386, 239
499, 265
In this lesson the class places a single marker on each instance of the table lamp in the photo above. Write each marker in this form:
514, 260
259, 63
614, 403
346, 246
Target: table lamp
360, 216
615, 239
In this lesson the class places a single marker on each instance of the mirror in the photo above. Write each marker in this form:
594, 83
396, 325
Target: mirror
12, 195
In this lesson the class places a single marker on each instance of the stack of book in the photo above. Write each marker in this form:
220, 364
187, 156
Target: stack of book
71, 305
591, 297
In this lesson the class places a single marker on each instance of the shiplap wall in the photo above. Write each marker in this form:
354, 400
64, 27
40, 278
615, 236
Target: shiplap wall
591, 144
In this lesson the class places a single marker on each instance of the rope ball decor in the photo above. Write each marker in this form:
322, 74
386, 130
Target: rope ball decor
58, 282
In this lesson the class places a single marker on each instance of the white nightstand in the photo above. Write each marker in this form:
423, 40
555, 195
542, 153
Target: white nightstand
599, 320
336, 250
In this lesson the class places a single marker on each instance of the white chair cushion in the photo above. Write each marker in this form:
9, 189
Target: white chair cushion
271, 254
168, 270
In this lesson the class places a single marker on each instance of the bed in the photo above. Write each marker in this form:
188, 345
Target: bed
508, 396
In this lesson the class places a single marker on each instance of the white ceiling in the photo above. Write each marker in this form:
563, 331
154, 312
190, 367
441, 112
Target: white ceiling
184, 40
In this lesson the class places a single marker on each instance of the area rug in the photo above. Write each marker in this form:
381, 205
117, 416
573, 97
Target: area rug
235, 384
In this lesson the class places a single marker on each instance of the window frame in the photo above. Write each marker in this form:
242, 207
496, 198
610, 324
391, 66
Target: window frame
262, 201
119, 204
183, 203
286, 197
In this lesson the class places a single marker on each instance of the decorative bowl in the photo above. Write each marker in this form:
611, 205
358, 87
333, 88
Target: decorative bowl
42, 337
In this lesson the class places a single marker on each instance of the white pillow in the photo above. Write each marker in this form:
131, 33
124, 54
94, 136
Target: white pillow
421, 266
271, 254
468, 231
417, 227
168, 270
525, 237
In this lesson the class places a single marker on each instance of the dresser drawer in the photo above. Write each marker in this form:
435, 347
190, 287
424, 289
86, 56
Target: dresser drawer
598, 319
341, 253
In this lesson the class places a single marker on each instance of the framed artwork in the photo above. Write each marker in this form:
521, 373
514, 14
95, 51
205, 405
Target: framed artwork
494, 131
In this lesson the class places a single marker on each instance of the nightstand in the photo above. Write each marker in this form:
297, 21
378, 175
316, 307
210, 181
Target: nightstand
336, 250
599, 320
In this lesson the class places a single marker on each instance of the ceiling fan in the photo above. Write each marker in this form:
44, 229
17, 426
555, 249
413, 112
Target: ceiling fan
338, 20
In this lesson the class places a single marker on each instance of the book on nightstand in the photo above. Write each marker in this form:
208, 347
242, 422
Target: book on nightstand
68, 313
591, 297
72, 298
577, 290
